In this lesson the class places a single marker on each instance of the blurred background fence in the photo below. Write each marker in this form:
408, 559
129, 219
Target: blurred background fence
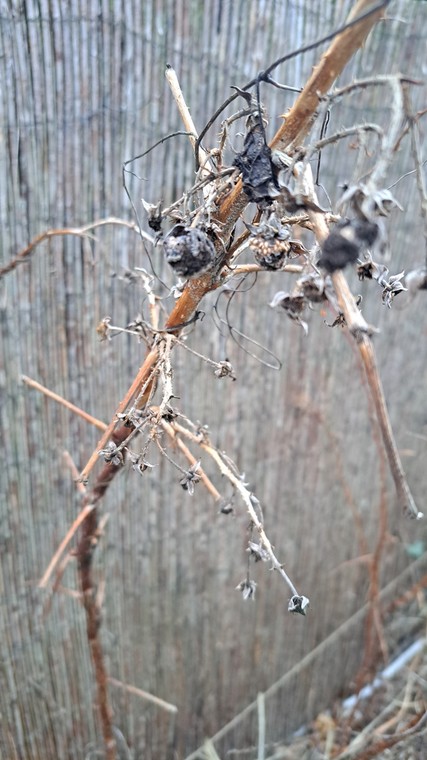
82, 91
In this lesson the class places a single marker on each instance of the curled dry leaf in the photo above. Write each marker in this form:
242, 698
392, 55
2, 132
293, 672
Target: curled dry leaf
293, 305
367, 204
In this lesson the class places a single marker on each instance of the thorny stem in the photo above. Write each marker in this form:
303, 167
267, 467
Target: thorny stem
342, 48
93, 622
245, 494
134, 390
360, 331
416, 150
73, 231
173, 82
403, 491
296, 124
79, 485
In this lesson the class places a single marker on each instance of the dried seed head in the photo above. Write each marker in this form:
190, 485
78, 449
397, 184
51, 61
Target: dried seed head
269, 254
189, 251
154, 214
392, 288
345, 242
224, 369
190, 478
257, 552
103, 329
112, 454
298, 604
248, 588
226, 506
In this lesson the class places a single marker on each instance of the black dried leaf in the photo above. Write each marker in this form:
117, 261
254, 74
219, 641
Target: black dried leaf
189, 250
345, 243
256, 166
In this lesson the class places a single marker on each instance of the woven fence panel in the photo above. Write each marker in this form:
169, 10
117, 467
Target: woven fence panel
83, 91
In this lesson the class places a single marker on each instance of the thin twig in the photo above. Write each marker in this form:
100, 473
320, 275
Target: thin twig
63, 401
72, 530
168, 706
76, 476
173, 82
245, 494
360, 331
82, 231
418, 160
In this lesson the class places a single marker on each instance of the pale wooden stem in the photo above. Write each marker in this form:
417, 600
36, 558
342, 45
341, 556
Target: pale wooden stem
63, 545
144, 695
81, 488
360, 331
246, 497
133, 391
342, 48
61, 400
185, 114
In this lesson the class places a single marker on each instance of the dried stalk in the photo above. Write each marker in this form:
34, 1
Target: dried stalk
247, 499
82, 231
360, 331
79, 485
188, 122
295, 126
298, 120
144, 695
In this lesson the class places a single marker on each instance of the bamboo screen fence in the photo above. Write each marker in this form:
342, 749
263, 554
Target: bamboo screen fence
83, 90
